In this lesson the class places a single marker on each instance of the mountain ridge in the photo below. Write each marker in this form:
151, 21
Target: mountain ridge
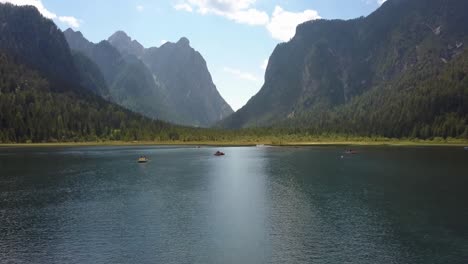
188, 97
38, 54
328, 63
126, 45
190, 85
46, 102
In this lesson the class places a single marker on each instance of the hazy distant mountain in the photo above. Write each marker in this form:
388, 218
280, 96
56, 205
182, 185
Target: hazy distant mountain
171, 82
130, 82
122, 42
189, 85
373, 75
42, 97
90, 75
108, 59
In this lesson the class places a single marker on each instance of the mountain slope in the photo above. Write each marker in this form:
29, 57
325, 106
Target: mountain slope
171, 83
328, 64
90, 75
189, 86
428, 103
122, 42
42, 102
48, 51
130, 83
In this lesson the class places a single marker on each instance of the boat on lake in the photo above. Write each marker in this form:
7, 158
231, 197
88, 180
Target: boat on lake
219, 153
351, 152
142, 159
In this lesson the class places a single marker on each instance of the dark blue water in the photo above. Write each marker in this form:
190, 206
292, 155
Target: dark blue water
254, 205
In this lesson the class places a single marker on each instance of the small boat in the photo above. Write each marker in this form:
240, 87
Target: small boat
142, 160
219, 153
466, 148
351, 152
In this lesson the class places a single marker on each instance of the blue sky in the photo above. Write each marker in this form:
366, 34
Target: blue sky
235, 37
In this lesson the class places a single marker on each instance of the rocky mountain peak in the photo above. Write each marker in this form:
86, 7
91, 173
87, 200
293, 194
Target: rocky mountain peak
183, 42
120, 36
125, 44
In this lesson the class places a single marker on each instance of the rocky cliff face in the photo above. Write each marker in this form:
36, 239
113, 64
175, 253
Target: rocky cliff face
172, 80
130, 82
121, 41
329, 63
189, 85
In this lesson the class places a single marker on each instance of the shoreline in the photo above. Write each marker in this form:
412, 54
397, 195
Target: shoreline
394, 143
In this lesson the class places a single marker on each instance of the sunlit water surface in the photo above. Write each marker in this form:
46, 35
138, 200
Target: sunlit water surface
254, 205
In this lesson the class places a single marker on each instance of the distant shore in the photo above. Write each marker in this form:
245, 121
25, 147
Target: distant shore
402, 143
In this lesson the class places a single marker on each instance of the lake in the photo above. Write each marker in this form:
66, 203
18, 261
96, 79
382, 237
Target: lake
254, 205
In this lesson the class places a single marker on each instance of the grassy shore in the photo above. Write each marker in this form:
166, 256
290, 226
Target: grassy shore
319, 142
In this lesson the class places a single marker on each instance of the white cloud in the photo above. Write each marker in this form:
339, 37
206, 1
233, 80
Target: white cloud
241, 75
223, 6
71, 21
249, 17
184, 7
140, 8
381, 1
163, 41
239, 11
68, 20
283, 23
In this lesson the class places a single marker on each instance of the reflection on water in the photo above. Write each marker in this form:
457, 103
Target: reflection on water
254, 205
239, 208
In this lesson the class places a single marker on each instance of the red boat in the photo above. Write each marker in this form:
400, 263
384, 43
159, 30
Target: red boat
219, 153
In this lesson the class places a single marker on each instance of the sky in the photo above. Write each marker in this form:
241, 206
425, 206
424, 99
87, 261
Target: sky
236, 37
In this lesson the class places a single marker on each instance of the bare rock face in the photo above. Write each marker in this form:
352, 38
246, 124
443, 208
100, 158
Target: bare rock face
170, 83
130, 82
184, 42
121, 41
190, 88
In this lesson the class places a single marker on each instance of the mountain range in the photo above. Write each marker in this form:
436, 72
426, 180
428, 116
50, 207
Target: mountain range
49, 93
170, 83
400, 72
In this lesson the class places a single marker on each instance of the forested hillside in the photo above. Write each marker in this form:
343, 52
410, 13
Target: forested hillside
41, 92
421, 104
37, 42
388, 74
30, 111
